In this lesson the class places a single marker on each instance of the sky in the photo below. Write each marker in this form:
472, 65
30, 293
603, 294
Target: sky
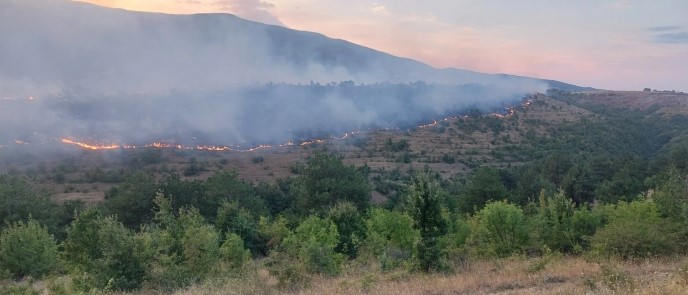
609, 44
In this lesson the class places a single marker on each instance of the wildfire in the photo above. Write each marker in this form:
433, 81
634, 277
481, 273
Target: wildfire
19, 141
312, 142
89, 146
171, 145
508, 115
434, 122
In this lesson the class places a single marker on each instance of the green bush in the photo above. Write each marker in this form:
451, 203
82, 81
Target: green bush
27, 249
233, 251
104, 254
499, 229
351, 228
635, 230
185, 248
426, 210
314, 242
555, 223
390, 237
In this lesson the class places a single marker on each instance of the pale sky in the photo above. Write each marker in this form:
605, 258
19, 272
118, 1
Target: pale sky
611, 44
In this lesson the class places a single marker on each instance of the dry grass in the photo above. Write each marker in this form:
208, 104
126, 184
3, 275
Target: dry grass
511, 276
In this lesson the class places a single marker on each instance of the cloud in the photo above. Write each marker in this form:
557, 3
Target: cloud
671, 38
255, 10
623, 4
664, 28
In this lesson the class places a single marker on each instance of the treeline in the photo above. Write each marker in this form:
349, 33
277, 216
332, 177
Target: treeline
168, 234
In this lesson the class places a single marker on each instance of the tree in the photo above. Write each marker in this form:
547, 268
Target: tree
27, 249
104, 253
132, 201
671, 196
226, 186
499, 229
484, 186
313, 242
426, 210
390, 236
350, 226
231, 218
18, 201
185, 248
327, 181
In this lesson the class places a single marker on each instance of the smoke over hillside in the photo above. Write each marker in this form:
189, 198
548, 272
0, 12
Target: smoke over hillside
129, 77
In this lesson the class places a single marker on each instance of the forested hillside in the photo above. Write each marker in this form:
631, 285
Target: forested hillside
565, 179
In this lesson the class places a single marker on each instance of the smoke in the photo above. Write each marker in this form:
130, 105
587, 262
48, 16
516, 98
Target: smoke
116, 76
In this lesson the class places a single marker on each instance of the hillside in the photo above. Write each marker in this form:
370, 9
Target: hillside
75, 71
453, 146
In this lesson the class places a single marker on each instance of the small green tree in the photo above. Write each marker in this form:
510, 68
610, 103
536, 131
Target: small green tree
671, 197
555, 222
185, 248
350, 226
233, 251
314, 242
390, 236
326, 181
132, 201
27, 249
499, 229
426, 210
231, 218
484, 186
104, 254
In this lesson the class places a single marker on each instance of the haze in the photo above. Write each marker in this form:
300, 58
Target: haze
612, 44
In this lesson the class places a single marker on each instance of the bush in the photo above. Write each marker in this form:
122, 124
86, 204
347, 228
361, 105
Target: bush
185, 248
426, 211
635, 230
28, 249
350, 226
390, 237
313, 243
499, 229
233, 251
104, 254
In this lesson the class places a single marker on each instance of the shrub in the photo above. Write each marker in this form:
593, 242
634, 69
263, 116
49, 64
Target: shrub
27, 249
185, 248
426, 211
635, 230
104, 254
233, 251
313, 243
350, 226
390, 237
499, 229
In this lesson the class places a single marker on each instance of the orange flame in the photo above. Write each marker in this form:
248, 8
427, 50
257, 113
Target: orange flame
89, 146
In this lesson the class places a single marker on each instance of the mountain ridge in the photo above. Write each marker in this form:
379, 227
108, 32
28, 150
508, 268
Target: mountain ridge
297, 56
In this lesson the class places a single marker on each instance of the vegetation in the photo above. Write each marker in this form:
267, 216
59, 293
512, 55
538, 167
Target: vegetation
610, 190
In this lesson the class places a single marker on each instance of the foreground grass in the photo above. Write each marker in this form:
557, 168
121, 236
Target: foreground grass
559, 275
545, 275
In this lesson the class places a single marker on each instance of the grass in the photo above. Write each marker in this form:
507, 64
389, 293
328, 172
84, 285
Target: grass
567, 275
